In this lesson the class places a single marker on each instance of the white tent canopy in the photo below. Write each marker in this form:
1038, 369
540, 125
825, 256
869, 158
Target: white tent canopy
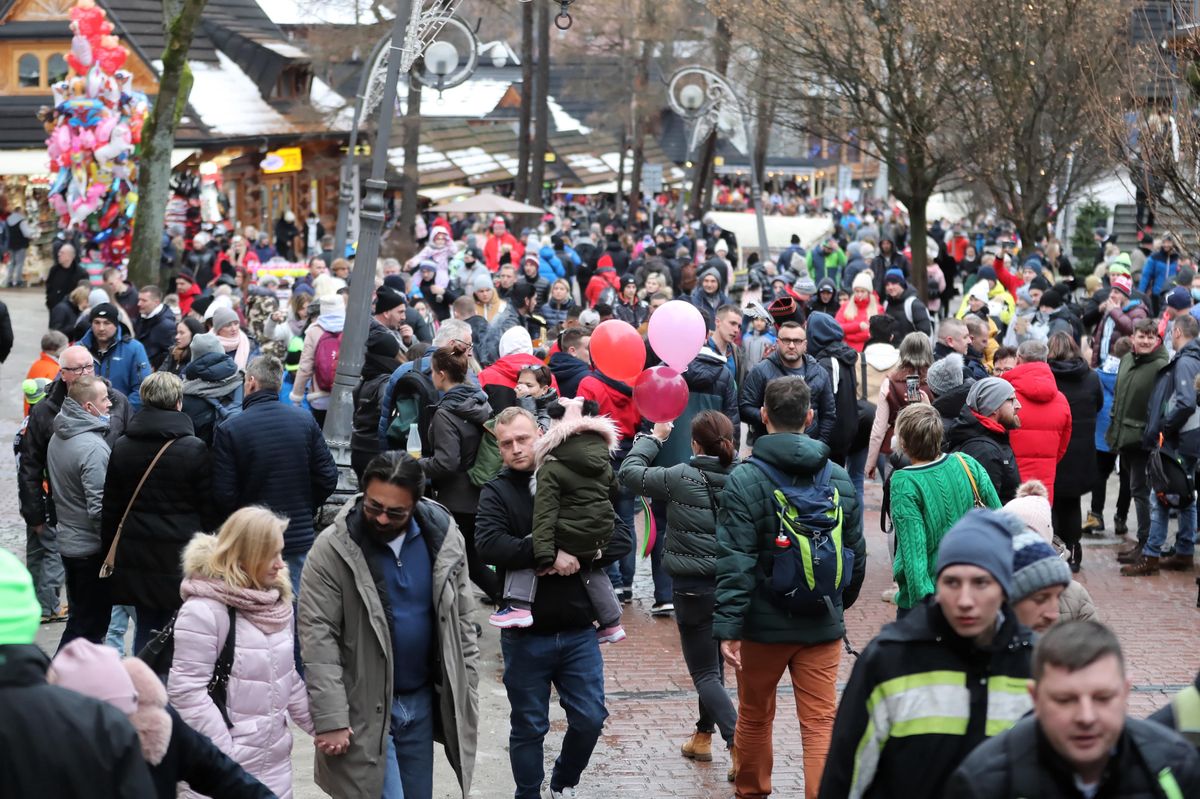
487, 204
810, 229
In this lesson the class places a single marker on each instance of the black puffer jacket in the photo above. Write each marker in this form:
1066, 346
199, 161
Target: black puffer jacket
35, 508
61, 281
157, 334
502, 525
455, 433
1076, 473
1021, 763
988, 446
378, 364
175, 503
828, 345
821, 388
1173, 404
208, 381
274, 455
692, 492
951, 404
55, 742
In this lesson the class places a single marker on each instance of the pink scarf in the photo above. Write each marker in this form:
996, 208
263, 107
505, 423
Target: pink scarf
264, 609
239, 343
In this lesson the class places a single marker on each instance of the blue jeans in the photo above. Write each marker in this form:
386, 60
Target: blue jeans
1185, 539
856, 464
621, 572
295, 564
150, 621
410, 747
571, 662
118, 627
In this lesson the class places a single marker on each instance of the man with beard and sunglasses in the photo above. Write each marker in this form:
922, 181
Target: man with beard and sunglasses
385, 606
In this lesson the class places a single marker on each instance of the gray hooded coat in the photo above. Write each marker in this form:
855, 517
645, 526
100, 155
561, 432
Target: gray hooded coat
78, 462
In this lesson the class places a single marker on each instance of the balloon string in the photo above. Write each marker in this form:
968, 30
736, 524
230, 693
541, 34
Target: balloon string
649, 529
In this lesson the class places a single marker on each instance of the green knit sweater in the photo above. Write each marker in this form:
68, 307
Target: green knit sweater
926, 502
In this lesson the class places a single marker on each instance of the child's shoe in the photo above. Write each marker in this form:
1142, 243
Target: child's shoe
610, 635
511, 617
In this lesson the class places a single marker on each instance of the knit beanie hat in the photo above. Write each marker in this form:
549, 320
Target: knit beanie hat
945, 375
34, 389
988, 394
979, 291
805, 285
1051, 299
1121, 283
1032, 507
1040, 283
387, 298
206, 344
1120, 265
516, 340
895, 276
20, 613
1036, 566
481, 282
224, 316
863, 281
987, 273
981, 538
98, 296
94, 670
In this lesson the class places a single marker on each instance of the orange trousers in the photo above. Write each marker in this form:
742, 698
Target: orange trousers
814, 670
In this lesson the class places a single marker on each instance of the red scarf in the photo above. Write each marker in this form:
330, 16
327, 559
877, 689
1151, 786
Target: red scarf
990, 423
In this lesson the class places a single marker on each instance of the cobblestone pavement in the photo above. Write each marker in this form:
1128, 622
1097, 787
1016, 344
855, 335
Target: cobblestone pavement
650, 698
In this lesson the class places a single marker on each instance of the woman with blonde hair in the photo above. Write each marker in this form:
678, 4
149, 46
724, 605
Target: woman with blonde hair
916, 356
855, 314
236, 589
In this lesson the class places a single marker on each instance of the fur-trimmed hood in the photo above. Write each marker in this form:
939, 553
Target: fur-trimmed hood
584, 459
151, 720
198, 563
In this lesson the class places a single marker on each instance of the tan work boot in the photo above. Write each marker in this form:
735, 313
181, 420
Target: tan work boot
1146, 566
1178, 563
733, 763
698, 747
1094, 523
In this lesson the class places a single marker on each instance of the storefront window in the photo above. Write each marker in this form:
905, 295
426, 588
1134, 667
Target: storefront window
29, 70
56, 68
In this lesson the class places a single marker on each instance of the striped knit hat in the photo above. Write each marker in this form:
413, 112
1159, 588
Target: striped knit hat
1036, 566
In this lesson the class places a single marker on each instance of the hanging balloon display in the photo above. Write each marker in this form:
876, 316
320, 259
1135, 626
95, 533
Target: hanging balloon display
93, 132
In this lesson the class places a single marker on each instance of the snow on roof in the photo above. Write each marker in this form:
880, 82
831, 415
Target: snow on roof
329, 12
474, 99
327, 101
286, 50
229, 102
563, 121
586, 162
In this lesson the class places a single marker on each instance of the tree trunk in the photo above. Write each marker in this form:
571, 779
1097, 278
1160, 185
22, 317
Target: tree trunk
621, 177
158, 137
411, 181
526, 123
641, 79
917, 226
765, 116
541, 130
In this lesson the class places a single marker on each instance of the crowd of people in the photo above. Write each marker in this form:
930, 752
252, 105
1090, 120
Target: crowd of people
174, 477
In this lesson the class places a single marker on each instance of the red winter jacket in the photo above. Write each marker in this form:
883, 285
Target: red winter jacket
605, 276
505, 371
615, 400
1045, 430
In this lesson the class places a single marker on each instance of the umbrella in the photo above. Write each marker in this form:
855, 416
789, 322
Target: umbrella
487, 204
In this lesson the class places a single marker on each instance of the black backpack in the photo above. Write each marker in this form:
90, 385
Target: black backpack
413, 402
1173, 484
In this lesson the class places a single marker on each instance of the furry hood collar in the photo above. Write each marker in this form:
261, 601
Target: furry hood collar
564, 429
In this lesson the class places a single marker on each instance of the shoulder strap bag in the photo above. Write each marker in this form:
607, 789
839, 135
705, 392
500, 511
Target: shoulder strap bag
974, 488
106, 568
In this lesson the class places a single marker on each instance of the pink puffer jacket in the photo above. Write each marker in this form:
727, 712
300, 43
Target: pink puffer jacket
264, 688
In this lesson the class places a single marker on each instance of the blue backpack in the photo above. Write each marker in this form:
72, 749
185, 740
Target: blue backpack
809, 566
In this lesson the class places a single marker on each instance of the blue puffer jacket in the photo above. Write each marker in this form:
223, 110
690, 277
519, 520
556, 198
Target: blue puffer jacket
549, 265
1173, 410
124, 364
1108, 382
1157, 272
274, 455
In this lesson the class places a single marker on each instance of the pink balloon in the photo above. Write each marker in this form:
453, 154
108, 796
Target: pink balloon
677, 332
617, 350
660, 393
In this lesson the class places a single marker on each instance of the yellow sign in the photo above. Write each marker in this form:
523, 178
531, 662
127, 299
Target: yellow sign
285, 159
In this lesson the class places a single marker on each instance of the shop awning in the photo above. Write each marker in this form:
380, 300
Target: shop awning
37, 162
439, 193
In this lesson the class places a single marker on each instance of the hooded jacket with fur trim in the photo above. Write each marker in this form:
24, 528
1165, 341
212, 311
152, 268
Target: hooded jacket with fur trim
574, 487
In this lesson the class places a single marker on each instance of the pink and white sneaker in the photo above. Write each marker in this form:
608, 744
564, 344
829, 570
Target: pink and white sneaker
508, 617
610, 635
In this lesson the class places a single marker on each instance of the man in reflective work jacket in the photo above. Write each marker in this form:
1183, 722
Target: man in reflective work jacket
935, 684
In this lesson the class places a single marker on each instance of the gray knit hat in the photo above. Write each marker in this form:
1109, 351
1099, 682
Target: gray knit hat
206, 344
982, 538
987, 395
482, 282
805, 285
1036, 566
945, 375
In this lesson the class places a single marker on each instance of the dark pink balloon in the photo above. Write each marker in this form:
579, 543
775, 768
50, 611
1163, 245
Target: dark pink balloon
660, 394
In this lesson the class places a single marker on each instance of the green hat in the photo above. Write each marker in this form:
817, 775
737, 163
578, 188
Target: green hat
1122, 260
34, 389
20, 613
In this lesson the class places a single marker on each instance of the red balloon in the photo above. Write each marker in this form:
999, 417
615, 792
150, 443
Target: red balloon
617, 350
660, 393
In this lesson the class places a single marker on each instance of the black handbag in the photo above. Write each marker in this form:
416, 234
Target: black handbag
160, 650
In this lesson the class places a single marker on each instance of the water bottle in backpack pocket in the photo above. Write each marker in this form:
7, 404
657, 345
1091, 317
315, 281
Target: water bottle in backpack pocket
810, 568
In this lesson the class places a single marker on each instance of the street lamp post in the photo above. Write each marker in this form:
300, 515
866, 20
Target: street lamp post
702, 95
